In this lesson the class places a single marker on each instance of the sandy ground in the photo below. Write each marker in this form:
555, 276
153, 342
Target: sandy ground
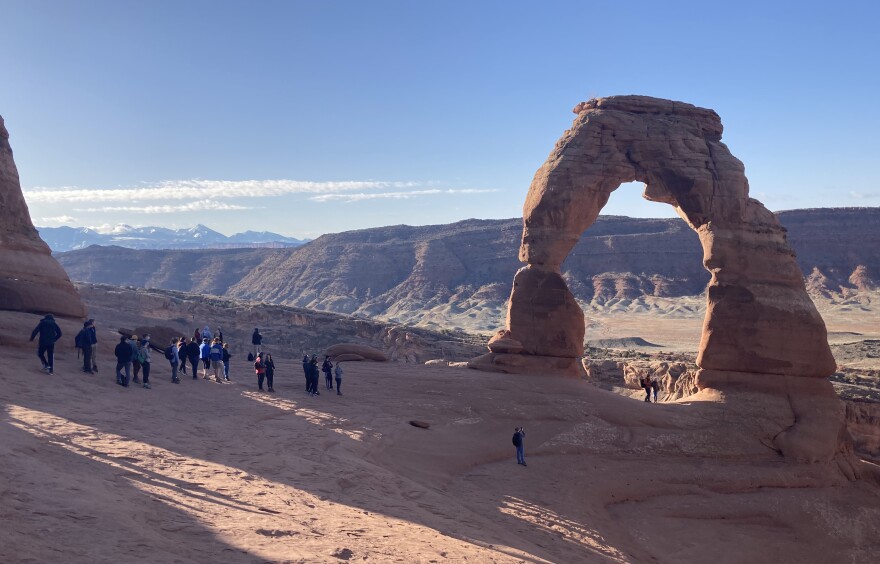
200, 472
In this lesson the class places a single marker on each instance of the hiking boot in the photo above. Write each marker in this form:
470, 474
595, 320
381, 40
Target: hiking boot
95, 368
148, 386
175, 380
271, 390
136, 380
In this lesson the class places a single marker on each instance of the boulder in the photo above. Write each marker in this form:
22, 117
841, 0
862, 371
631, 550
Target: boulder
366, 352
31, 280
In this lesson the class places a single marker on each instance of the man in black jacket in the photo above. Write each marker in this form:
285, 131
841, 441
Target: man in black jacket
49, 333
192, 354
123, 360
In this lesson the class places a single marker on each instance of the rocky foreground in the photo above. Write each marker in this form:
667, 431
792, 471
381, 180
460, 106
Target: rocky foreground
201, 472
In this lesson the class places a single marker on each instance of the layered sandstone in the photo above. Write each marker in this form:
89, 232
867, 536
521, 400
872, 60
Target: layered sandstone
30, 279
761, 331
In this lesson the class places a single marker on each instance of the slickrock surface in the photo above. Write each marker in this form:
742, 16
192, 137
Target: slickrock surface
30, 279
204, 472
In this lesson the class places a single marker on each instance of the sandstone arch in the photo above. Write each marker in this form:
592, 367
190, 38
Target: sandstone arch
31, 279
759, 317
761, 331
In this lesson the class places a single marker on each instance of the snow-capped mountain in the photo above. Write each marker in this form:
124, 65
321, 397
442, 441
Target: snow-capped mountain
61, 239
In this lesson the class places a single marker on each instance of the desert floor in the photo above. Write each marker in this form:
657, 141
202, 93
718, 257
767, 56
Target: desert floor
199, 472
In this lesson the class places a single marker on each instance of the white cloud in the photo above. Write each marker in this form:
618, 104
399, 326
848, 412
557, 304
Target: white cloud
864, 195
201, 205
201, 189
60, 219
360, 197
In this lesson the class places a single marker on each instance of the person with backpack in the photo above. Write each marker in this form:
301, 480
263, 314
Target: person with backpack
205, 356
215, 355
646, 384
193, 352
145, 359
174, 359
338, 371
257, 341
92, 339
327, 369
123, 360
270, 371
519, 435
49, 333
81, 341
226, 357
259, 370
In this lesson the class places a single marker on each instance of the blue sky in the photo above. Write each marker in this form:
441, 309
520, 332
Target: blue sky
307, 117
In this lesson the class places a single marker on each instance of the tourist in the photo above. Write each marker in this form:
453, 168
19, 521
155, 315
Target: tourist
135, 358
206, 334
193, 352
92, 334
338, 371
181, 353
82, 343
205, 355
655, 386
646, 384
49, 333
197, 335
519, 435
220, 334
260, 370
173, 356
313, 376
215, 354
144, 359
306, 372
226, 357
123, 360
270, 371
257, 341
327, 368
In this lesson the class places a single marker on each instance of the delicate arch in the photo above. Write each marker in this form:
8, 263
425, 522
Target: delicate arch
759, 317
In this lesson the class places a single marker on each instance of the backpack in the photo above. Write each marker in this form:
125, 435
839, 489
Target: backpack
80, 340
516, 439
169, 354
141, 356
250, 357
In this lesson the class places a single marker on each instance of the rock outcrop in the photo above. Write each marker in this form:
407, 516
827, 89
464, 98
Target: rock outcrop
365, 352
761, 332
30, 279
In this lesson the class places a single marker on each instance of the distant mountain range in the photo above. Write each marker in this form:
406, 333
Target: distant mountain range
63, 239
459, 275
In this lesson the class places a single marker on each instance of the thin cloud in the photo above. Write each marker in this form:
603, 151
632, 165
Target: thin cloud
364, 196
864, 195
58, 219
195, 189
201, 205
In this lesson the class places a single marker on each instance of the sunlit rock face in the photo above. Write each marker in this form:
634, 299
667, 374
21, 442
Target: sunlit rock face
761, 332
30, 279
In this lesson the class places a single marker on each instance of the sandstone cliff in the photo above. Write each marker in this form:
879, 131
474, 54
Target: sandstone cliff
30, 279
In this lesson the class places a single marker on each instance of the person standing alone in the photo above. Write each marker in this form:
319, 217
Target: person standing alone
49, 333
519, 435
338, 371
257, 341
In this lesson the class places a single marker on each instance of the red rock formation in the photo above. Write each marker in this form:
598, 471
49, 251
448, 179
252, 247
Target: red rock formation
30, 279
761, 330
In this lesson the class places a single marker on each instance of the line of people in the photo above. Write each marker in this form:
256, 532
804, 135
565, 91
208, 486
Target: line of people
134, 357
